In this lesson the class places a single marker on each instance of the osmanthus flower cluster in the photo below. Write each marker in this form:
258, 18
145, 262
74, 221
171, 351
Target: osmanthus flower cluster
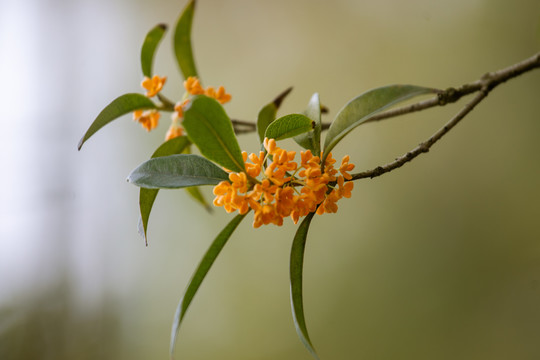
286, 188
275, 183
149, 119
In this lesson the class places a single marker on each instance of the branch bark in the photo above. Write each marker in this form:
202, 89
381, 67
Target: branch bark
483, 86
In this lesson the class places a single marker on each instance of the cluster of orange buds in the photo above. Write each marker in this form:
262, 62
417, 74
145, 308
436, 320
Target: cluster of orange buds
149, 119
193, 87
286, 188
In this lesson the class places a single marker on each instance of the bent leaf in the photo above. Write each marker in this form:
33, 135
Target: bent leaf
268, 113
361, 108
312, 139
209, 127
148, 196
149, 47
182, 41
199, 275
120, 106
289, 126
177, 171
296, 269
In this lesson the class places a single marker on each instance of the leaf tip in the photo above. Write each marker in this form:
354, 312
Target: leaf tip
80, 144
163, 26
279, 99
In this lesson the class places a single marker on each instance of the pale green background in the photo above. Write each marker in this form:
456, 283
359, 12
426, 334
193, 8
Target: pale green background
437, 260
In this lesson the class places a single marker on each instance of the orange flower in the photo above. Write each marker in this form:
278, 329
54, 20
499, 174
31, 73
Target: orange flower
346, 167
174, 132
149, 119
275, 196
193, 86
153, 85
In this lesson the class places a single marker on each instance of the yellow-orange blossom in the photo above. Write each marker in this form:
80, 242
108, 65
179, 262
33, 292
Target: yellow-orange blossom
286, 188
149, 119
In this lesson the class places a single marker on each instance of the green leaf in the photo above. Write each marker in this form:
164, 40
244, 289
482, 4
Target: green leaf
120, 106
149, 47
182, 41
177, 171
296, 269
199, 275
312, 139
361, 108
265, 118
268, 113
209, 127
288, 126
148, 196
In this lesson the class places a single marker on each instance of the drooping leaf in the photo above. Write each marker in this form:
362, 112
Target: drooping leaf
209, 127
361, 108
120, 106
199, 275
296, 269
177, 171
312, 139
288, 126
182, 42
268, 113
148, 196
149, 47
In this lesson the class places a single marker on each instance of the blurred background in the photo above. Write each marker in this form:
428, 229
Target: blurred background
437, 260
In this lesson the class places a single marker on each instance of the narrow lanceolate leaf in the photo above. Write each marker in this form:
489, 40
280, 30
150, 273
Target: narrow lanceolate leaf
182, 41
361, 108
289, 126
199, 275
312, 139
268, 113
296, 269
177, 171
149, 47
148, 196
120, 106
209, 127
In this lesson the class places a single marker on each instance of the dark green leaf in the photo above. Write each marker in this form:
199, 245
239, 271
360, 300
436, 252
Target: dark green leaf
268, 113
361, 108
120, 106
149, 47
148, 196
289, 126
182, 41
209, 127
177, 171
312, 139
199, 275
296, 269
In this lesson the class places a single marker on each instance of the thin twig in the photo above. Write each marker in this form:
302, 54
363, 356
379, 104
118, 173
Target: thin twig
423, 147
487, 83
451, 95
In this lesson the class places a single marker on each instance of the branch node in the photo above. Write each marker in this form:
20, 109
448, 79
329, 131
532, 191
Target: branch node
449, 95
379, 170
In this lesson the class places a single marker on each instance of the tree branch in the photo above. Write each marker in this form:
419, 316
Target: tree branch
484, 85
